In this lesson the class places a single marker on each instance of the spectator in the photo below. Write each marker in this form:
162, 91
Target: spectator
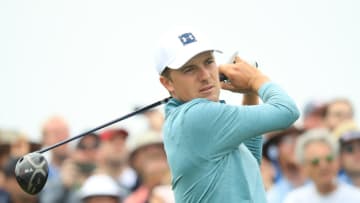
317, 152
12, 190
349, 138
337, 111
20, 146
54, 130
162, 194
85, 152
14, 144
74, 171
101, 188
148, 158
4, 195
289, 172
113, 157
313, 114
155, 120
4, 154
4, 159
5, 144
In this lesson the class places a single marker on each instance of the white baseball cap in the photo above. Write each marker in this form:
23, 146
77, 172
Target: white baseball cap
178, 45
100, 185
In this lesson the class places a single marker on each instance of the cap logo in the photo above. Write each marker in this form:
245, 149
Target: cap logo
187, 38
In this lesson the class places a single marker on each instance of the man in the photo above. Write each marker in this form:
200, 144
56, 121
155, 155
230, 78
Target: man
12, 192
54, 130
338, 111
290, 174
349, 138
317, 152
112, 157
313, 114
148, 158
74, 171
101, 188
214, 149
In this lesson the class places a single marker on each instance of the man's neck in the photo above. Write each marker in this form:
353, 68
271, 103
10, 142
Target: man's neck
293, 173
326, 189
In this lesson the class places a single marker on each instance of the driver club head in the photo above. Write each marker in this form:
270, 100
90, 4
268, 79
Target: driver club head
31, 172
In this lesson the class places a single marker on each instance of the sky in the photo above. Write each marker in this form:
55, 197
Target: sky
92, 61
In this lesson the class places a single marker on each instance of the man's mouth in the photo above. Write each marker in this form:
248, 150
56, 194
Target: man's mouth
206, 89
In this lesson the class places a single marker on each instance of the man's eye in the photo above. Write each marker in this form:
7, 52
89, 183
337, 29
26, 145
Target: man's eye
187, 70
210, 61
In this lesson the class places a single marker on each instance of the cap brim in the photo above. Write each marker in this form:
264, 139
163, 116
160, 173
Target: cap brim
350, 136
188, 53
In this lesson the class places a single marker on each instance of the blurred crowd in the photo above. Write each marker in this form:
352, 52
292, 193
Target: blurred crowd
316, 159
108, 166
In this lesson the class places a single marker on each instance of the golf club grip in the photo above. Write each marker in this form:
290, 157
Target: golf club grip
163, 101
223, 77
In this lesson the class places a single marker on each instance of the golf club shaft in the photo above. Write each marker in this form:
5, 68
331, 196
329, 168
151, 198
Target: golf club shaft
106, 124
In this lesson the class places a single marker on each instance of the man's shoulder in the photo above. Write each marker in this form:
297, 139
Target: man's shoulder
196, 101
280, 187
174, 106
345, 188
300, 194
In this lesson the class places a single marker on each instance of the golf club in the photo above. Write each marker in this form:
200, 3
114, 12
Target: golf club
31, 170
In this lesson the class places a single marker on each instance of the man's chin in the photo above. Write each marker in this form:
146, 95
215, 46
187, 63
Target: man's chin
213, 98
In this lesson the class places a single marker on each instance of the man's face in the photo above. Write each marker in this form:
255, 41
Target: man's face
86, 149
350, 156
320, 164
286, 148
56, 131
337, 113
198, 78
114, 150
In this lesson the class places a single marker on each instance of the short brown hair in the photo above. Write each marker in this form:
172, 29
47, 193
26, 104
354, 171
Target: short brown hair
166, 73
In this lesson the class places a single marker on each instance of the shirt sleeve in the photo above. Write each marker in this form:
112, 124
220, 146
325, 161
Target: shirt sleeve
221, 128
254, 144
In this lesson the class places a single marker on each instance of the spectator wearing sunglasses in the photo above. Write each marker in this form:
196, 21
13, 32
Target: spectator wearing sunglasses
349, 139
74, 171
318, 152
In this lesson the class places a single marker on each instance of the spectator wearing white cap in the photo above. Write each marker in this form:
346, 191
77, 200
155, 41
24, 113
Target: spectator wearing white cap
149, 160
101, 188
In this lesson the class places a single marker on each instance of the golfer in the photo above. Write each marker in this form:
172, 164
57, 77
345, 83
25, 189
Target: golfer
214, 149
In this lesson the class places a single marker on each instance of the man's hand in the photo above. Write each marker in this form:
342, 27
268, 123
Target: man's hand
243, 77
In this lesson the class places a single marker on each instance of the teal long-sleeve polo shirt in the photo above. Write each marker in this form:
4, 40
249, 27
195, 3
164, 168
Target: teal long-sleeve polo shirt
214, 149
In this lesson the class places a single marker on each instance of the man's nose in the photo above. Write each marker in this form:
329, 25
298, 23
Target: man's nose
204, 73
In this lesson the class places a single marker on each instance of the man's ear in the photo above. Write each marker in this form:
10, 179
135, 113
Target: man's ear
167, 83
